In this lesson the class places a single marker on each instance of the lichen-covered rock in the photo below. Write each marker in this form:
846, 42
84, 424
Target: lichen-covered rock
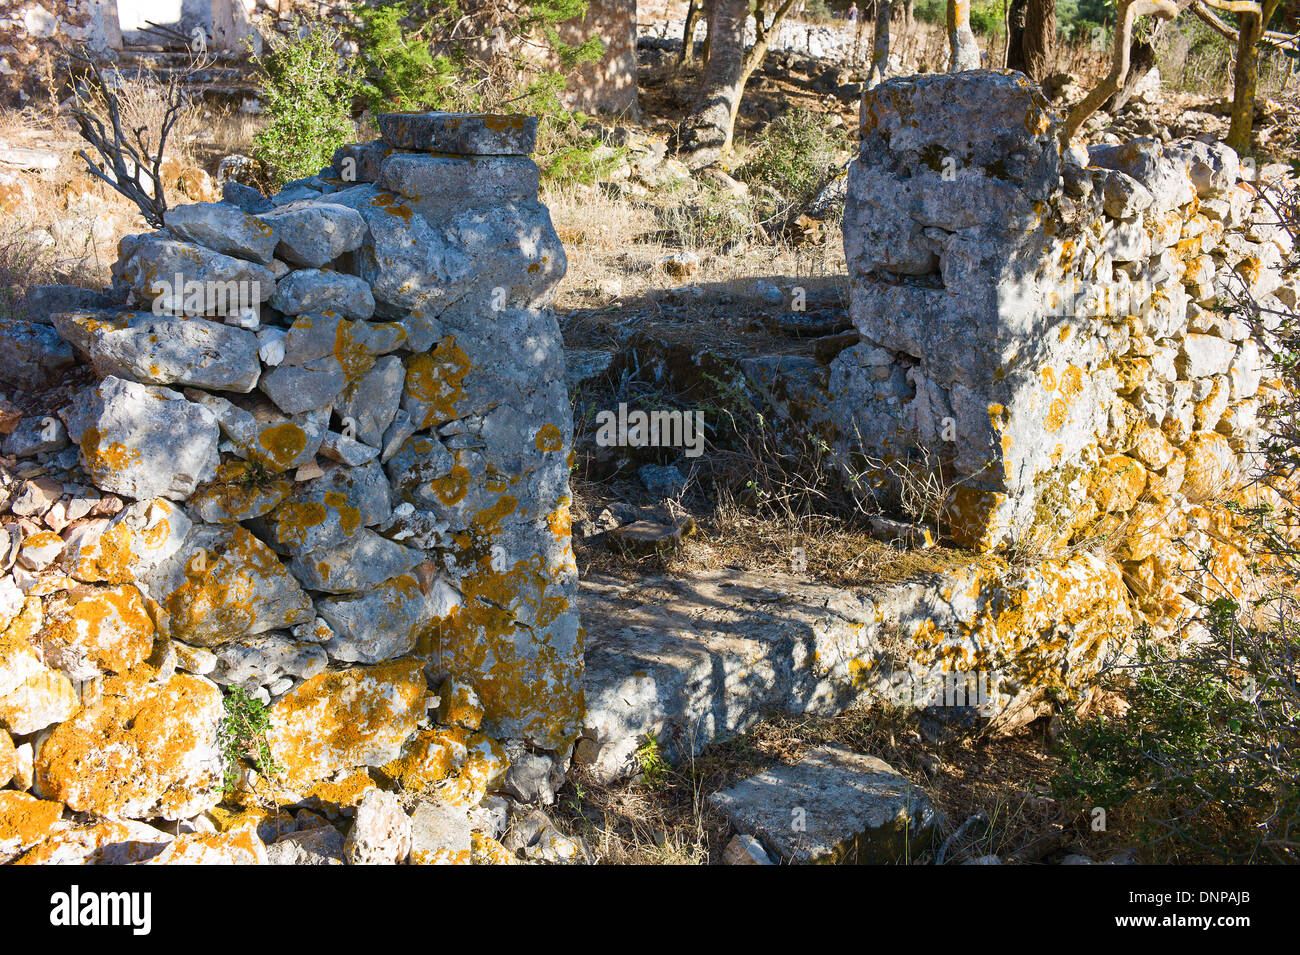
129, 546
328, 510
316, 290
223, 227
143, 441
32, 696
263, 436
142, 750
323, 354
25, 821
242, 847
458, 705
428, 757
441, 834
34, 353
315, 233
436, 185
363, 561
833, 805
345, 718
463, 134
386, 620
150, 265
180, 351
1211, 466
224, 583
90, 630
265, 657
8, 758
105, 842
381, 833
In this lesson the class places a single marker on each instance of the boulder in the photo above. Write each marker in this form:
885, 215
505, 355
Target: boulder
224, 227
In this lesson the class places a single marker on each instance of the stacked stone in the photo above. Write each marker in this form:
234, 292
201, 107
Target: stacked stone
1058, 328
337, 482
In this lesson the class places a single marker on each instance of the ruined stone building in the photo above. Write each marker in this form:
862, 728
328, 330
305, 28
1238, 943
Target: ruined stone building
31, 29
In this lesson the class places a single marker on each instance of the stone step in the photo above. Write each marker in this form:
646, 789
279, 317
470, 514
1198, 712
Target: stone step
691, 661
833, 806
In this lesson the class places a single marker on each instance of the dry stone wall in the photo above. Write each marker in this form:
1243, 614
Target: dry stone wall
323, 457
1057, 327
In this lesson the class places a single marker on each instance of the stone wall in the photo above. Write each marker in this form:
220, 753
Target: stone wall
320, 453
1055, 327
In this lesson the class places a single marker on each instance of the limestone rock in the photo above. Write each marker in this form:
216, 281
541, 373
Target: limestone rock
370, 403
363, 561
224, 583
242, 847
34, 354
25, 821
129, 546
142, 750
458, 133
319, 846
345, 718
106, 842
150, 266
266, 657
381, 833
387, 620
440, 835
314, 290
143, 441
327, 511
179, 351
833, 805
91, 630
315, 233
223, 227
437, 185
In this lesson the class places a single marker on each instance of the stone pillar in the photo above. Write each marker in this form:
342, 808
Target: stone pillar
1036, 322
339, 419
947, 223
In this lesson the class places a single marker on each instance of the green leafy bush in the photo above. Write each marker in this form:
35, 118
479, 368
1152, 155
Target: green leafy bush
243, 736
307, 91
419, 55
795, 155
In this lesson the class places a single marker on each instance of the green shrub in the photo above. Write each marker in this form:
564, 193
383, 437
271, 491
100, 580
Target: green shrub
243, 736
795, 155
307, 89
415, 58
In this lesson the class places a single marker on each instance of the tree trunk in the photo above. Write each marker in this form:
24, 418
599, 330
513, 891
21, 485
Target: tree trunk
1127, 13
1245, 77
1038, 45
688, 33
880, 45
1031, 37
1016, 35
706, 134
965, 52
1142, 57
